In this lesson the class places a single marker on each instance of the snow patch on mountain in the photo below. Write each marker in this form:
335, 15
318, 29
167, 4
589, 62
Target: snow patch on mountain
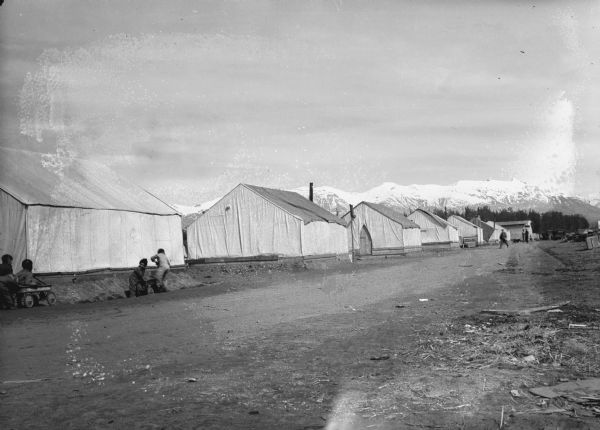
459, 195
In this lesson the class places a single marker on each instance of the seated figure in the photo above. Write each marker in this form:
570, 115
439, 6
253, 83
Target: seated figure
8, 283
137, 284
25, 275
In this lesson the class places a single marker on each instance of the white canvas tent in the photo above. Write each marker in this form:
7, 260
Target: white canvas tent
435, 231
74, 215
495, 236
490, 235
377, 229
251, 221
466, 229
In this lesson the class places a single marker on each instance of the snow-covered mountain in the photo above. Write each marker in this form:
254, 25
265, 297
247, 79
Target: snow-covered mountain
594, 200
495, 194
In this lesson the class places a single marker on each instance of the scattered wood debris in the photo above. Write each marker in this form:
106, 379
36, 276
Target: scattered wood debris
527, 311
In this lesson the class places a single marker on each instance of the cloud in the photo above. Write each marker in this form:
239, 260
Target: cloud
403, 97
548, 155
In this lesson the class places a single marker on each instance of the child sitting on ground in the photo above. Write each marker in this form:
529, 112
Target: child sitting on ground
137, 283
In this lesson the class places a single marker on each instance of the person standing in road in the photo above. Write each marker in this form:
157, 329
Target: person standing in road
503, 239
164, 267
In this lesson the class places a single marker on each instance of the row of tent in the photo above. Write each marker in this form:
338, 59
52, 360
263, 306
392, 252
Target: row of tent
253, 221
78, 216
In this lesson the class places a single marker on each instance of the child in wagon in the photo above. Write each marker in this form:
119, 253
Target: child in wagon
25, 275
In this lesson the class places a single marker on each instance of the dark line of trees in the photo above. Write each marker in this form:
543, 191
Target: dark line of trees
540, 222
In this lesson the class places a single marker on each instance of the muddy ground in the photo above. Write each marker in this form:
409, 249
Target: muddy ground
336, 347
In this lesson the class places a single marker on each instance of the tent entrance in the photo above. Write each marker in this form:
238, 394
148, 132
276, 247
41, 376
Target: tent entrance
366, 244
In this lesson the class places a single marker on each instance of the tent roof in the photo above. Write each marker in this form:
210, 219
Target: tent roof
482, 224
461, 219
391, 214
33, 179
440, 221
296, 205
491, 224
513, 223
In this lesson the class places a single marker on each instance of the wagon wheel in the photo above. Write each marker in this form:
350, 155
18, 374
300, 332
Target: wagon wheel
51, 298
27, 301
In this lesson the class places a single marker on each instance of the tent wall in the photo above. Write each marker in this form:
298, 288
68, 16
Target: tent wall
466, 229
243, 224
412, 239
495, 236
324, 238
387, 235
431, 232
13, 237
74, 239
487, 232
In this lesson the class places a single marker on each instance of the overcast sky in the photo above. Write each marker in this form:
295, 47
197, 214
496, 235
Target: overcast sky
190, 98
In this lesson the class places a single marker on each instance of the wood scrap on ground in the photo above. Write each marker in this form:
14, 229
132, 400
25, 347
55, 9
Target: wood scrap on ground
584, 391
527, 311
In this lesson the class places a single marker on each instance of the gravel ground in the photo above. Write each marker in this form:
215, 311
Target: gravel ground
383, 343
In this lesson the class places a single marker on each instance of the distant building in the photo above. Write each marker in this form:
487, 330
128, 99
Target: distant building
378, 229
435, 231
515, 228
252, 221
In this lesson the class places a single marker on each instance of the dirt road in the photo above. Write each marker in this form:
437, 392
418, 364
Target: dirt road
304, 349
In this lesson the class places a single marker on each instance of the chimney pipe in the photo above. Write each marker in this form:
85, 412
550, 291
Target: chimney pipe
310, 192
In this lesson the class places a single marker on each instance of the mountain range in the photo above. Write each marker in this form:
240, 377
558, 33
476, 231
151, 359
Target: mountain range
492, 193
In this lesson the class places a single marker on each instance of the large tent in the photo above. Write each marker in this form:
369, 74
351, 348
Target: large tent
251, 221
466, 230
491, 232
72, 215
435, 231
377, 229
495, 237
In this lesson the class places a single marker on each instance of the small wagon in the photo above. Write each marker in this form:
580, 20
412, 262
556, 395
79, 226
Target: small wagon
30, 295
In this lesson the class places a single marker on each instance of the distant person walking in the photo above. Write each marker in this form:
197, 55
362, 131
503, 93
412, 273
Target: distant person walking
164, 267
526, 234
503, 240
